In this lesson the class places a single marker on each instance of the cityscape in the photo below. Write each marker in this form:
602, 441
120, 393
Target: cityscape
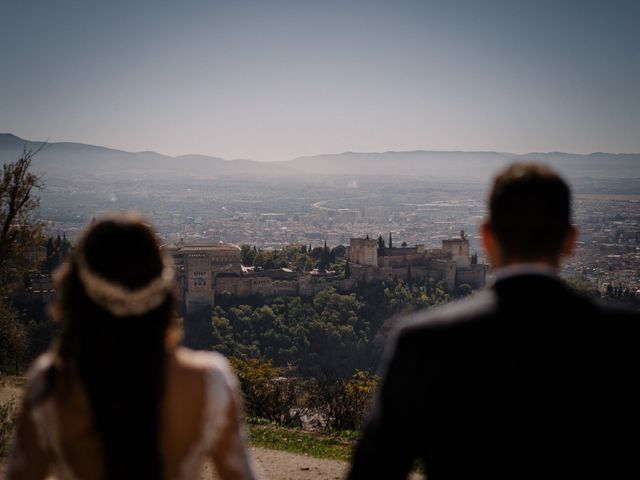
272, 214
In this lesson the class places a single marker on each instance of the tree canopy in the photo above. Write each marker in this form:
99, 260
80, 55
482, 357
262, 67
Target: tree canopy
19, 232
330, 335
20, 239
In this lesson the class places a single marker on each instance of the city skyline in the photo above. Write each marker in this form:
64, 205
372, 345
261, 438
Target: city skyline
278, 80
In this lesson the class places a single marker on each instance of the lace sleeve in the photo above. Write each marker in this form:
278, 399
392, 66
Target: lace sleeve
229, 449
223, 438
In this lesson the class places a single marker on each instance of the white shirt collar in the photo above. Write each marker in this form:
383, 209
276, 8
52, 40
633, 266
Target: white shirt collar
525, 269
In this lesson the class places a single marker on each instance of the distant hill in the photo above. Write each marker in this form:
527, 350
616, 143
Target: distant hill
473, 166
79, 160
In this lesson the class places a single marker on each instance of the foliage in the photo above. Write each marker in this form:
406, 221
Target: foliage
346, 401
295, 256
328, 336
414, 294
57, 250
299, 356
14, 339
580, 284
247, 254
20, 239
337, 446
19, 233
196, 327
381, 245
325, 336
463, 290
336, 404
267, 392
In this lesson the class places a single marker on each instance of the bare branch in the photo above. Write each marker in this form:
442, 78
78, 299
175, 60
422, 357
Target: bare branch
17, 203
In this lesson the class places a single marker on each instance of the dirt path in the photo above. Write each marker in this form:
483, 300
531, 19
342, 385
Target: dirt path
278, 465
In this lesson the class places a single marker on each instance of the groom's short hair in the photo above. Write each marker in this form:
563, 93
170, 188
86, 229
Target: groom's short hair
529, 211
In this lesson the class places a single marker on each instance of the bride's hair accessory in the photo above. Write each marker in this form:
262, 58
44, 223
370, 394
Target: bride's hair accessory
120, 300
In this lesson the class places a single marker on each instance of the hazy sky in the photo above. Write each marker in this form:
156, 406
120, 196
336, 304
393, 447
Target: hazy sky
272, 80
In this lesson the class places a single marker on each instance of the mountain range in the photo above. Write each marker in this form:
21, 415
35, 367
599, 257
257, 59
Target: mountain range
77, 160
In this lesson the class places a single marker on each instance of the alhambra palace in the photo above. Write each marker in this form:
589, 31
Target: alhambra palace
206, 270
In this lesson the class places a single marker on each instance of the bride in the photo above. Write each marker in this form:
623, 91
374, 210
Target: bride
117, 397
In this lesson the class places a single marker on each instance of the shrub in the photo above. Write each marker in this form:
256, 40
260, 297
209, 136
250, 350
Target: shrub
346, 401
267, 392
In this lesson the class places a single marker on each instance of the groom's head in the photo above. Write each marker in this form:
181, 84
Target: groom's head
529, 216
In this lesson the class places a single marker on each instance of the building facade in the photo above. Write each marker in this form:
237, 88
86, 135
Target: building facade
196, 267
450, 264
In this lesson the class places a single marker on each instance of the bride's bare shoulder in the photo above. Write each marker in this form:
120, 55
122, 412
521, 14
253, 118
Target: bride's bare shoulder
199, 360
192, 375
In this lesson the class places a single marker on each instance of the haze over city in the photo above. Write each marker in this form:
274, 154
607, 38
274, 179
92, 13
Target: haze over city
277, 80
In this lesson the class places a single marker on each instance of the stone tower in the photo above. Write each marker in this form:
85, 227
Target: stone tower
363, 251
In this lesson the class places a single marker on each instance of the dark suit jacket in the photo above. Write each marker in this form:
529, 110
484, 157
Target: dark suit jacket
524, 380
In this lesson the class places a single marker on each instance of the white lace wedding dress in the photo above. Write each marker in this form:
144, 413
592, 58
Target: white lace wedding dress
221, 386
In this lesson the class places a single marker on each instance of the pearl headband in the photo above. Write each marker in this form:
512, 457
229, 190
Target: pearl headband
120, 300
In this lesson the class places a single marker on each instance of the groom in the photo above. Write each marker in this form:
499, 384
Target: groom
524, 380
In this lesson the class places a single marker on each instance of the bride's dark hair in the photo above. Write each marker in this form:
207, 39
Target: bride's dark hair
119, 360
